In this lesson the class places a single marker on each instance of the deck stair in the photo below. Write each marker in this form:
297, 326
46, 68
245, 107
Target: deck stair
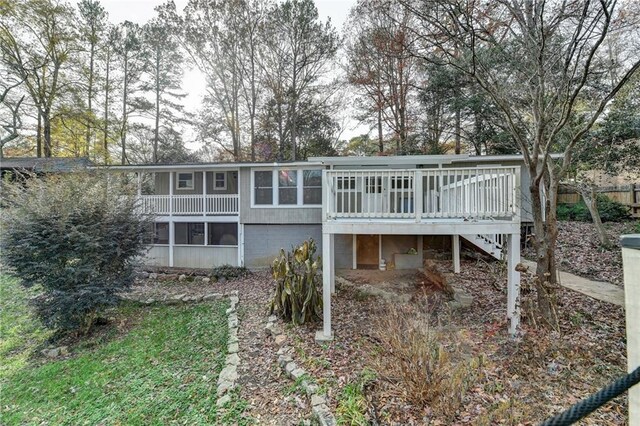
491, 244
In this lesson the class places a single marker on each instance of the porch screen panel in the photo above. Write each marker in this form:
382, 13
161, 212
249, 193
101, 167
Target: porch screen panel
222, 234
189, 233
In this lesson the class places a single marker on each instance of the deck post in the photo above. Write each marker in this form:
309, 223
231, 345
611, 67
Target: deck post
354, 251
204, 192
456, 253
139, 184
172, 233
513, 282
332, 263
326, 334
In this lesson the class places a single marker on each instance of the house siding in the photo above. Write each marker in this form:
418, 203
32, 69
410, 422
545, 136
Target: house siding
262, 243
162, 184
272, 215
204, 257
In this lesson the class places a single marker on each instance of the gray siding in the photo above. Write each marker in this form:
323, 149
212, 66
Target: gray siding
192, 256
162, 184
343, 251
262, 243
273, 215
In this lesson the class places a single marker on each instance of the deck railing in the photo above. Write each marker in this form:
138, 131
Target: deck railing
463, 193
224, 204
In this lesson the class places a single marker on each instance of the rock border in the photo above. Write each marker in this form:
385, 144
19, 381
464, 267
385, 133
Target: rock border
228, 377
172, 299
320, 410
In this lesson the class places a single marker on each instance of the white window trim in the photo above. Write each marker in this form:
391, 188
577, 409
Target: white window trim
193, 182
215, 181
275, 188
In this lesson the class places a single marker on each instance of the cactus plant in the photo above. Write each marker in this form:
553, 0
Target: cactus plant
296, 297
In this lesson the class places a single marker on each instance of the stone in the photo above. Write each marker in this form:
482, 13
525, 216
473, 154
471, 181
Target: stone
223, 400
318, 400
309, 388
233, 359
283, 360
182, 277
230, 311
143, 274
290, 367
323, 416
150, 301
464, 299
153, 276
234, 300
211, 296
280, 339
180, 296
228, 374
51, 353
270, 329
206, 280
297, 373
232, 348
222, 280
272, 318
233, 321
282, 351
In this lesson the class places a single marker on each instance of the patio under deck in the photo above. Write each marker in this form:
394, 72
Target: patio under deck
459, 202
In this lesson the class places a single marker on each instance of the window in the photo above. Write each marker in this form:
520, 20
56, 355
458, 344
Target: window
184, 181
373, 185
220, 181
346, 183
287, 187
401, 183
189, 233
223, 234
312, 186
263, 187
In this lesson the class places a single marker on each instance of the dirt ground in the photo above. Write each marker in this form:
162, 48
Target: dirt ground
522, 380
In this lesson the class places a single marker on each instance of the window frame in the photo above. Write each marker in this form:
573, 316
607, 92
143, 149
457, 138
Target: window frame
301, 174
215, 181
275, 187
204, 234
189, 188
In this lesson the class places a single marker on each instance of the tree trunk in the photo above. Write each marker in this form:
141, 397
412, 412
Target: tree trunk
589, 196
544, 244
123, 131
156, 130
39, 135
105, 140
46, 131
380, 140
90, 100
457, 130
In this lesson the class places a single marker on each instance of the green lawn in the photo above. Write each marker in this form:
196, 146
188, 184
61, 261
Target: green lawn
163, 371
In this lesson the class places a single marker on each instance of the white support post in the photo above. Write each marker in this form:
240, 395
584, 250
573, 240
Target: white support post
513, 282
631, 268
421, 249
172, 231
354, 249
172, 241
139, 184
326, 334
204, 192
241, 244
418, 195
456, 253
332, 263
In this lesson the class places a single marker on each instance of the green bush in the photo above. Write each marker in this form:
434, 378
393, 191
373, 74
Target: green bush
610, 210
76, 236
297, 298
230, 272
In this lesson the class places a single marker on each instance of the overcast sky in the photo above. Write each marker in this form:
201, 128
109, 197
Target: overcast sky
140, 11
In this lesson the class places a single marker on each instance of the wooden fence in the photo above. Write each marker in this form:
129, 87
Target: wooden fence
628, 195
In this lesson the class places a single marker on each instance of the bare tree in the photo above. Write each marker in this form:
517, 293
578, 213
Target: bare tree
539, 62
36, 41
12, 122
